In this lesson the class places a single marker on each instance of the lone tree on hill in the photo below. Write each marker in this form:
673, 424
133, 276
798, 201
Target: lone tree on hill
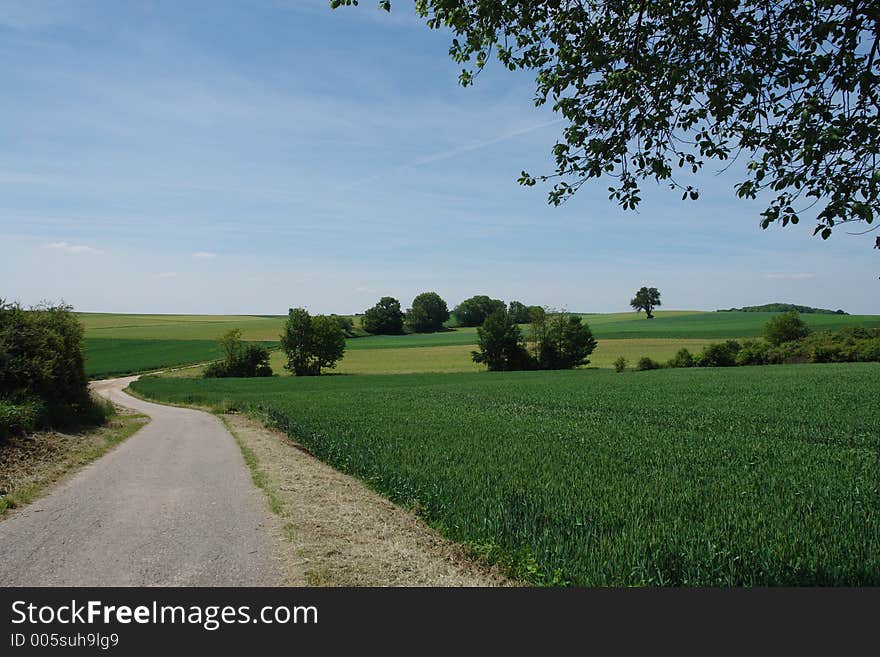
647, 298
653, 90
428, 313
385, 318
311, 343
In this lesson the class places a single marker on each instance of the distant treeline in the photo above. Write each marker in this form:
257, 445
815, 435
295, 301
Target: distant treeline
783, 308
787, 340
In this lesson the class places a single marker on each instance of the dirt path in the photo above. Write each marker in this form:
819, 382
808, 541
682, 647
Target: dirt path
173, 505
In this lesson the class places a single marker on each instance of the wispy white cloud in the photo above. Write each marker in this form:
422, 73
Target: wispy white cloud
204, 255
67, 247
790, 277
477, 145
166, 274
459, 150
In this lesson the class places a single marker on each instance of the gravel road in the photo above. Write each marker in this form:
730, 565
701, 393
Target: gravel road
171, 506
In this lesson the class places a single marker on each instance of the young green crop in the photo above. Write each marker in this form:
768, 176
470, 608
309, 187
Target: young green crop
106, 357
709, 477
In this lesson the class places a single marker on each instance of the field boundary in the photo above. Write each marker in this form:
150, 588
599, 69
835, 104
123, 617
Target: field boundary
336, 531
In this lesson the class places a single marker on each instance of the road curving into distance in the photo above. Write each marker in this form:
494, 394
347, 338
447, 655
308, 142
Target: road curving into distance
173, 505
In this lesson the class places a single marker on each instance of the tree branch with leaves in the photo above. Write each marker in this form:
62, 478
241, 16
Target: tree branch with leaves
653, 88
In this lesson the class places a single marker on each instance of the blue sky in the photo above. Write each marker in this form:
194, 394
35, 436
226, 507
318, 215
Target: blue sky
217, 157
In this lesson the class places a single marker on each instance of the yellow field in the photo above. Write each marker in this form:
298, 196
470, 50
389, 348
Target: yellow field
179, 327
408, 360
457, 358
660, 349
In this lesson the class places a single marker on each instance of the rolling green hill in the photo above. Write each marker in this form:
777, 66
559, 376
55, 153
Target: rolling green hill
121, 344
108, 357
782, 308
180, 327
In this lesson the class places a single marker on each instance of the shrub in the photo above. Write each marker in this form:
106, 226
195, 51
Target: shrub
41, 355
501, 345
98, 412
682, 358
385, 318
428, 313
847, 345
242, 359
868, 350
560, 341
42, 373
826, 353
620, 364
720, 354
22, 417
785, 327
646, 363
215, 370
754, 352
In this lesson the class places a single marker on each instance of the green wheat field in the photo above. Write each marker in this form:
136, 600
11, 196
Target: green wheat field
702, 477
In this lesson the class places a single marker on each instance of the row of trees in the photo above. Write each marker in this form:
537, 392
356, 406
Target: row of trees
427, 315
430, 313
786, 339
474, 311
555, 341
312, 343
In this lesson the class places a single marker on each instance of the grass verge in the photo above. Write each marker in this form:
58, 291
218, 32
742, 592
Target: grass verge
30, 464
258, 476
335, 531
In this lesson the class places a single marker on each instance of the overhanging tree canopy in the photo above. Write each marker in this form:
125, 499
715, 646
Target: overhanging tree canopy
652, 87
